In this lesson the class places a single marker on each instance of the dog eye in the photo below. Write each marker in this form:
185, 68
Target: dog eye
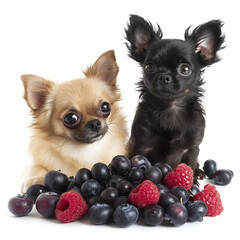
150, 67
105, 109
71, 120
184, 69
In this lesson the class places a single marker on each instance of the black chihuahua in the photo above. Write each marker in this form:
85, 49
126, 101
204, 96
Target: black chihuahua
169, 122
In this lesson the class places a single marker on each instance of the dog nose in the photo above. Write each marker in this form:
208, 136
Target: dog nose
94, 125
165, 78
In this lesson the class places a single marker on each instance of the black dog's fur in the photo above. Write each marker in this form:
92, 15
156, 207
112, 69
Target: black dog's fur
169, 122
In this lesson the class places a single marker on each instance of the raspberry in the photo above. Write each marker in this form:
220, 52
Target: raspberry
70, 207
144, 194
211, 197
181, 176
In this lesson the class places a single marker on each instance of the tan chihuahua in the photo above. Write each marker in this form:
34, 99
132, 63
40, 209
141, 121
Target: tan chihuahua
76, 123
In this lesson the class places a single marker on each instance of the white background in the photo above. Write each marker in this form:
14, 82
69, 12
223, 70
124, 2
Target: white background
59, 39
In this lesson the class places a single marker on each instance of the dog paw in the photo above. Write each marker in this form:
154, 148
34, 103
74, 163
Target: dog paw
30, 181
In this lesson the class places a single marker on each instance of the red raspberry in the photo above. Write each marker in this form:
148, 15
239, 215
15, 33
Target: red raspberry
211, 197
181, 176
70, 207
144, 194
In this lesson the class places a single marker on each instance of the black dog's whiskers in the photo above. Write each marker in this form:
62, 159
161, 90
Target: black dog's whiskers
169, 122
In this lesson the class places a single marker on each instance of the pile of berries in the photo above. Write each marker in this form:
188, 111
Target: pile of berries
122, 192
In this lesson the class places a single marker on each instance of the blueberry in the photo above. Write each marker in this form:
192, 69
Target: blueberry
167, 198
195, 189
196, 210
210, 168
90, 188
100, 213
120, 200
93, 200
82, 176
113, 180
124, 187
223, 177
109, 195
135, 175
56, 181
72, 186
152, 215
181, 193
162, 189
164, 167
46, 204
35, 190
177, 213
100, 172
140, 162
153, 174
120, 165
20, 205
125, 215
231, 172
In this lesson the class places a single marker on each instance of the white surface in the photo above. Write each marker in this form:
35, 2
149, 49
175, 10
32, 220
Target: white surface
56, 39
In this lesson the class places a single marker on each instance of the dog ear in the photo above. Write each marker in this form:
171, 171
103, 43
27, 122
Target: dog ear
208, 39
105, 68
36, 90
140, 34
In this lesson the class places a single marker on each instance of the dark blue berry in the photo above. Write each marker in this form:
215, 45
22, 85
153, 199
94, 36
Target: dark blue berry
140, 162
124, 187
21, 205
56, 181
181, 193
162, 189
93, 200
135, 175
113, 180
46, 204
195, 189
177, 213
210, 168
120, 165
100, 213
164, 167
152, 215
167, 198
125, 215
196, 210
120, 200
153, 174
72, 185
223, 177
100, 172
90, 188
35, 190
82, 176
109, 195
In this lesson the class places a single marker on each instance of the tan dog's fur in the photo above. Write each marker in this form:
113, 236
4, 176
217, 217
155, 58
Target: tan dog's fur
52, 146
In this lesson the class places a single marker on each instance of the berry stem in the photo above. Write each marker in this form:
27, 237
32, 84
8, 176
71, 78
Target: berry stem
190, 192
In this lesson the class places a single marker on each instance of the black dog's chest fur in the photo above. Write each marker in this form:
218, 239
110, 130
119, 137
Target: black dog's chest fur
165, 131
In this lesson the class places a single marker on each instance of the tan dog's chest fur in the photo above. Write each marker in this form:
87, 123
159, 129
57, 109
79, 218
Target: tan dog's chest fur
96, 131
56, 153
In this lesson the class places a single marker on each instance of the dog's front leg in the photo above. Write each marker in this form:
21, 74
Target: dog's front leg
190, 157
36, 177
